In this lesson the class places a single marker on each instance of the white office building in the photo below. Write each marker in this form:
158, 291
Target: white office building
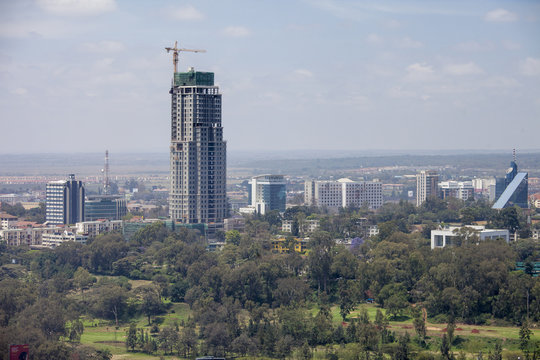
57, 239
445, 237
343, 193
462, 190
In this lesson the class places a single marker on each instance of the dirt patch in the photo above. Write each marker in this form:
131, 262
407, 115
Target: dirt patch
475, 331
112, 342
459, 329
406, 327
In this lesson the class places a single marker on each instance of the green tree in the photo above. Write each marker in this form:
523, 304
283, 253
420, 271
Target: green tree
83, 279
525, 338
131, 338
445, 348
151, 304
420, 326
168, 337
233, 237
76, 329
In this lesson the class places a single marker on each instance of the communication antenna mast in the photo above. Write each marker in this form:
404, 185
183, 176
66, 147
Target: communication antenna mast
176, 50
514, 154
106, 183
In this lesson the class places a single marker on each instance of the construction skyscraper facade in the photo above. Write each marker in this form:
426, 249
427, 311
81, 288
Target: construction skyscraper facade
198, 152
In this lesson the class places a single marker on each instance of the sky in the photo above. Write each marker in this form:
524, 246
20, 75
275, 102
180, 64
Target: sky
90, 75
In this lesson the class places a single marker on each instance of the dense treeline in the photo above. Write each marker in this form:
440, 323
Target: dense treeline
247, 300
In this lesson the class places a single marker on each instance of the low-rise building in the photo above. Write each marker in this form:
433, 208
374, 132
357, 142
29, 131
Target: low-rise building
308, 226
28, 236
56, 239
445, 236
7, 221
95, 228
281, 245
234, 223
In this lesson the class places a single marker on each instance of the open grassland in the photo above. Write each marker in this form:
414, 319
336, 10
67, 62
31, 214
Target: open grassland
470, 339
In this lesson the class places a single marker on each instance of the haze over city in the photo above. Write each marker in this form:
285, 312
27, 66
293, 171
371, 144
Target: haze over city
83, 76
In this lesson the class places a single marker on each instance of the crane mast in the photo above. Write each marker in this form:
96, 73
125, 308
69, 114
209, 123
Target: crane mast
175, 50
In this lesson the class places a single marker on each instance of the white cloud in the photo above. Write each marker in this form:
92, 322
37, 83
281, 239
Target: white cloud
419, 72
77, 7
530, 66
500, 15
187, 13
469, 68
19, 91
236, 31
46, 29
408, 43
374, 39
103, 47
303, 72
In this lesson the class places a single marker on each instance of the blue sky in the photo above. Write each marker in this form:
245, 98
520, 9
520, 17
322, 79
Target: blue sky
89, 75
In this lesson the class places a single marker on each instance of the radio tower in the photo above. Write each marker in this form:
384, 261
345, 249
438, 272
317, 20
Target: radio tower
106, 183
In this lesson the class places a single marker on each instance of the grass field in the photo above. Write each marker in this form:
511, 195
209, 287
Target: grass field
471, 338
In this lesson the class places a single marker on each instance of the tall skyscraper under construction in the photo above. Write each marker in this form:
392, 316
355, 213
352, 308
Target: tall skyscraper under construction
198, 152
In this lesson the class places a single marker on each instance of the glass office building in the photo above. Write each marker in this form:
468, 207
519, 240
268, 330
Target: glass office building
110, 207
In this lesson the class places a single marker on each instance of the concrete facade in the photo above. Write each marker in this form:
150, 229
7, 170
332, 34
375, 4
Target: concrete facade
426, 185
343, 193
198, 152
65, 201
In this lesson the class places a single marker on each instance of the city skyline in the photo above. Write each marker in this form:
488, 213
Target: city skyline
317, 74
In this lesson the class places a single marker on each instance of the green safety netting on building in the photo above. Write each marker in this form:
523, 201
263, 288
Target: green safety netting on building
194, 78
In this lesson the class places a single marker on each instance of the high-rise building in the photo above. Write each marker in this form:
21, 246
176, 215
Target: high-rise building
426, 185
267, 193
516, 188
198, 152
343, 193
65, 201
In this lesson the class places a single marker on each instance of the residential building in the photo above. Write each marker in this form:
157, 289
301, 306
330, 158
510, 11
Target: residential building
343, 193
198, 152
307, 226
534, 200
110, 207
426, 185
65, 201
444, 237
281, 245
234, 223
7, 221
57, 239
462, 190
267, 193
30, 236
98, 227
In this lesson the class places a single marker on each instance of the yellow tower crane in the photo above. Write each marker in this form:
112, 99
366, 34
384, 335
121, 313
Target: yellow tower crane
176, 50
